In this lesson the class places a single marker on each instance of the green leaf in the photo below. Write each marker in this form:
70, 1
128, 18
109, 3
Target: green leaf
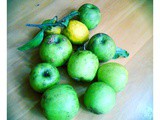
65, 23
49, 21
120, 53
67, 18
36, 41
72, 14
45, 23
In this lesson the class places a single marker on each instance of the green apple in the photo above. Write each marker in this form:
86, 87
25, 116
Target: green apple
113, 74
43, 76
60, 102
83, 65
102, 46
99, 98
56, 49
89, 15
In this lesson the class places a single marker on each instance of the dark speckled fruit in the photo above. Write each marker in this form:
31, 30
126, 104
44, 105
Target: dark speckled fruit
56, 49
102, 46
43, 76
60, 102
89, 15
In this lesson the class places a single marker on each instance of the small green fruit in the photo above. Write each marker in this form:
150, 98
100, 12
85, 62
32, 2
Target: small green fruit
60, 102
43, 76
83, 65
99, 98
53, 30
89, 15
113, 74
56, 49
102, 46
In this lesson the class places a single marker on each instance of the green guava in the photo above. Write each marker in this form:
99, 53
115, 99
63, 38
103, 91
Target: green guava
43, 76
102, 46
56, 49
60, 102
83, 65
90, 15
113, 74
99, 98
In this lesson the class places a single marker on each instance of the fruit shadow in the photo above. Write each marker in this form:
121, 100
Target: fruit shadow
27, 92
79, 86
30, 57
66, 79
38, 110
35, 58
81, 99
29, 95
25, 89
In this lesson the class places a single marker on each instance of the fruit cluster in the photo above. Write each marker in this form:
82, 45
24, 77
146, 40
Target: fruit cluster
60, 101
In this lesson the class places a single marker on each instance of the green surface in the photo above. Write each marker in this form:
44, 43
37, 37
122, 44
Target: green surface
90, 15
113, 74
56, 49
99, 98
102, 46
60, 102
43, 76
83, 65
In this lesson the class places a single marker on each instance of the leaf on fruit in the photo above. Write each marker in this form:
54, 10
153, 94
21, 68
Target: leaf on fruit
120, 53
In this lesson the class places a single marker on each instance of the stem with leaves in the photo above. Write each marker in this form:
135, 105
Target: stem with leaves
36, 41
62, 23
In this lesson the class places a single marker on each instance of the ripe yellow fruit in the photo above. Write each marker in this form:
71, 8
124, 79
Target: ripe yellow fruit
77, 32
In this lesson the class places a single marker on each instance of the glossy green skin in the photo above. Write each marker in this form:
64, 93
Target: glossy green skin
60, 102
83, 65
89, 15
113, 74
56, 49
99, 98
102, 46
43, 76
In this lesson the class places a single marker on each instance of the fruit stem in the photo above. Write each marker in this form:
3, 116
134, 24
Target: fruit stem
70, 15
41, 26
58, 23
46, 74
35, 25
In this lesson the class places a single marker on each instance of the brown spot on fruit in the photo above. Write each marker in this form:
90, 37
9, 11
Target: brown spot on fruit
51, 40
52, 60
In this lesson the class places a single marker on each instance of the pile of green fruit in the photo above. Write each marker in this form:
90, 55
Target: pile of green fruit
57, 39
